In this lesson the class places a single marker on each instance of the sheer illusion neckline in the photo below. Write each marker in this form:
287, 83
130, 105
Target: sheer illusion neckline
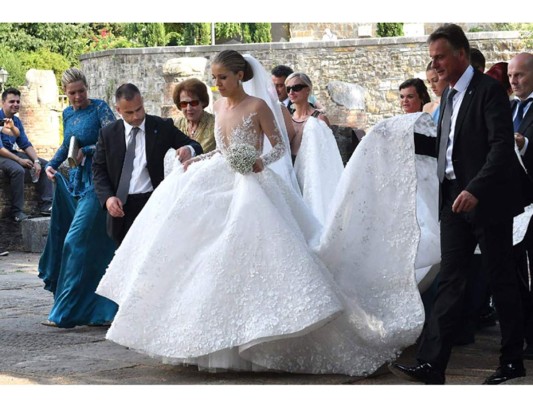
237, 104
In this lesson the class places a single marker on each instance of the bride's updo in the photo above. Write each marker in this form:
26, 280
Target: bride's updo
235, 62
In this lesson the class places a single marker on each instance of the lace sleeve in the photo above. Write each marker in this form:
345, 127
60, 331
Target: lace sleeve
278, 146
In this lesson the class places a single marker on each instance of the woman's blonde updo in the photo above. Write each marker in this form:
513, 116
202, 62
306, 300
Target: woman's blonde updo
72, 75
235, 62
303, 77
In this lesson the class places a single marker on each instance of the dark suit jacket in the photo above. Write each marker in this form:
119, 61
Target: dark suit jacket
483, 157
526, 129
161, 135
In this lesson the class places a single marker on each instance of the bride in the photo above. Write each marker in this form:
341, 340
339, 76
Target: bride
221, 269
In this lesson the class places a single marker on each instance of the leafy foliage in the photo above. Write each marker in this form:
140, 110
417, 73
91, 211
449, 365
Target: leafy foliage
69, 40
243, 32
145, 34
44, 59
195, 33
389, 29
261, 32
104, 39
57, 46
9, 60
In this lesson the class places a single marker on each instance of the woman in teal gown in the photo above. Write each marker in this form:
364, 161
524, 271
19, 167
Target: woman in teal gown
78, 248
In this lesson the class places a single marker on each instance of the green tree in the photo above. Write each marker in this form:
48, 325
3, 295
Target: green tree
261, 32
196, 33
145, 34
67, 39
244, 32
9, 60
45, 59
389, 29
227, 30
105, 40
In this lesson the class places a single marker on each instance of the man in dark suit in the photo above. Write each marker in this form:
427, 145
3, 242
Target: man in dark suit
279, 75
520, 72
479, 196
129, 160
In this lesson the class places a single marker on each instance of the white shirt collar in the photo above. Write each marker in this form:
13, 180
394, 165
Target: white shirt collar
129, 127
462, 84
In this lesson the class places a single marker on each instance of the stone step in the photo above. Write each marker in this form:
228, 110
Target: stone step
35, 233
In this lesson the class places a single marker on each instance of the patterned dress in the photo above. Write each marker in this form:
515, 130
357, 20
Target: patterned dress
78, 249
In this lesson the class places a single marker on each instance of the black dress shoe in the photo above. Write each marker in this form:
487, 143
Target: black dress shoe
424, 373
506, 372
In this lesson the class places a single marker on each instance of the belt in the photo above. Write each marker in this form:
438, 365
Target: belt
139, 196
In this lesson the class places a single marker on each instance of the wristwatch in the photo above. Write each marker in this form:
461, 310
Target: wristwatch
37, 161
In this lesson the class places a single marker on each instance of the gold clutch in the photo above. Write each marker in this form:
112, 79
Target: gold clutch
73, 150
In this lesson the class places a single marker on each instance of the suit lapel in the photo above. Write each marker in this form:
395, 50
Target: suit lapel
150, 130
121, 143
527, 121
465, 105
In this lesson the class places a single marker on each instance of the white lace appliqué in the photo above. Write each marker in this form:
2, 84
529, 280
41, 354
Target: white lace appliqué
245, 133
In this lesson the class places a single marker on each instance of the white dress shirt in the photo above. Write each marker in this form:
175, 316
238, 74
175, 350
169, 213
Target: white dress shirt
461, 85
526, 108
140, 181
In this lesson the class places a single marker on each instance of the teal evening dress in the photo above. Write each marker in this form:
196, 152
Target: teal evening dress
78, 249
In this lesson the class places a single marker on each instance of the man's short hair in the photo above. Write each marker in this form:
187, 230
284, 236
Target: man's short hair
454, 34
126, 91
281, 71
8, 91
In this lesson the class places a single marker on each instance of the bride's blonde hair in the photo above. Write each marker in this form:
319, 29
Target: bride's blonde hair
235, 62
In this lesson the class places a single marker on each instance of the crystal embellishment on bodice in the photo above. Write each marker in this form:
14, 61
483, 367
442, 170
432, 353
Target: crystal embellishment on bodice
245, 133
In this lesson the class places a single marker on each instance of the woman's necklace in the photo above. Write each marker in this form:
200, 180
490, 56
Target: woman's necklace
192, 130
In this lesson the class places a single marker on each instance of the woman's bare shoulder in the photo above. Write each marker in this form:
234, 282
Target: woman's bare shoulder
430, 107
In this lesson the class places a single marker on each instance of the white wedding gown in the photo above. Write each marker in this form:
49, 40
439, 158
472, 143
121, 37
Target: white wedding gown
318, 167
232, 271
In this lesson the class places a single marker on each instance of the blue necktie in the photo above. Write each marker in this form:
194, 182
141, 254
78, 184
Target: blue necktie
127, 168
520, 114
446, 125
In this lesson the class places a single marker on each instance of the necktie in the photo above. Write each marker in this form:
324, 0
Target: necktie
127, 168
520, 114
445, 134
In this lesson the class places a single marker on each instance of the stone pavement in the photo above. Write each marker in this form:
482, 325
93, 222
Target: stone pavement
31, 353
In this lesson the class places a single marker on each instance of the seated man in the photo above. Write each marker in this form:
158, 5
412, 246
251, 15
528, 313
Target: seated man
17, 164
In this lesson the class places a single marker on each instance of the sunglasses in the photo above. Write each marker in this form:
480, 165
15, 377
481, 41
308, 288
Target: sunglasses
184, 104
296, 88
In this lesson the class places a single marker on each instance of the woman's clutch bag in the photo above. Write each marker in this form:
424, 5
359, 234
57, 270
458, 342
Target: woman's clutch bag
73, 149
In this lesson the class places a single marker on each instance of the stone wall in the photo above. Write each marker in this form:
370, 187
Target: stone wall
376, 65
40, 111
314, 31
305, 31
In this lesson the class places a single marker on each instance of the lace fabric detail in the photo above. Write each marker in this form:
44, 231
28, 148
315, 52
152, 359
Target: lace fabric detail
227, 278
246, 133
84, 124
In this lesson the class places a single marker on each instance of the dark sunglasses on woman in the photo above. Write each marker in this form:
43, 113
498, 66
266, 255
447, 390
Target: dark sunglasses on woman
296, 88
194, 103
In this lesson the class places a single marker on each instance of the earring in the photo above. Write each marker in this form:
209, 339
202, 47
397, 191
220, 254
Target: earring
240, 82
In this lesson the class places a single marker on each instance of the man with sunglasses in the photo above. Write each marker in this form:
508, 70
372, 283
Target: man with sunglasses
129, 160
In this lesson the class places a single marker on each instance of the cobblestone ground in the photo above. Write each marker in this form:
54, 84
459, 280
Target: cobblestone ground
31, 353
